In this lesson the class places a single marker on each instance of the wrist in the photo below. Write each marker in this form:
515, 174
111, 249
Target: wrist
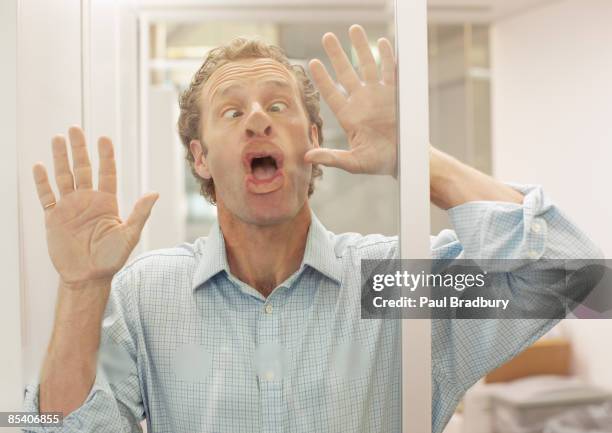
82, 301
444, 178
93, 284
77, 326
453, 183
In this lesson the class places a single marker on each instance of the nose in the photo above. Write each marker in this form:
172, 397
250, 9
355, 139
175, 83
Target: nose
258, 123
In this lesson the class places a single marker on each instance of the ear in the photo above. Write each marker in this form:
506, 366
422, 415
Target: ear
199, 157
314, 136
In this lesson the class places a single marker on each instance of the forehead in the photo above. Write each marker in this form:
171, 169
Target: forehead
246, 72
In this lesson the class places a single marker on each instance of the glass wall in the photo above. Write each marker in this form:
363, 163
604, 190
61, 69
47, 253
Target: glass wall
459, 109
367, 205
459, 97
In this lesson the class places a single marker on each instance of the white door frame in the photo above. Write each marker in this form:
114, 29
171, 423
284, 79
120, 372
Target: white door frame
413, 124
10, 251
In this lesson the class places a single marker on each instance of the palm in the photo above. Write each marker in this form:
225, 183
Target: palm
86, 238
368, 117
366, 111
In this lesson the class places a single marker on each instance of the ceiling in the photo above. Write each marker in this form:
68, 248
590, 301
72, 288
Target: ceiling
439, 10
480, 10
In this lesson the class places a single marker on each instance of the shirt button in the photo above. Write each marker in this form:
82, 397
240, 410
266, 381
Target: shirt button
268, 375
536, 227
268, 309
533, 254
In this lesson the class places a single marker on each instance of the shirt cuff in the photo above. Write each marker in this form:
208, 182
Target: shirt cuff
502, 230
81, 419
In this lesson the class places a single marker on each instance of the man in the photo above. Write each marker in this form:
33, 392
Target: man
257, 327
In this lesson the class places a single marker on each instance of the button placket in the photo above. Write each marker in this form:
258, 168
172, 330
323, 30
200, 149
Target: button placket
268, 309
270, 380
537, 238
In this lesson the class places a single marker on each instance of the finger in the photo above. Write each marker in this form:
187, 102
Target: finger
107, 173
80, 158
43, 188
387, 58
332, 95
367, 64
140, 214
61, 165
345, 73
343, 159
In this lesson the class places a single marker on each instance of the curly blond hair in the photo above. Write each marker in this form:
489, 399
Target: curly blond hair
238, 49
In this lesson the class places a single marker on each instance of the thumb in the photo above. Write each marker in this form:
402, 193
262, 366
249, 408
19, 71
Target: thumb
140, 214
343, 159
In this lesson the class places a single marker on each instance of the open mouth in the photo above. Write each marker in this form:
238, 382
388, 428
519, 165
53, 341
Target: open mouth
264, 167
264, 171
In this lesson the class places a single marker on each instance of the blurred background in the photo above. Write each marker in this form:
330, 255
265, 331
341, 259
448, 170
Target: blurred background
176, 51
519, 89
460, 114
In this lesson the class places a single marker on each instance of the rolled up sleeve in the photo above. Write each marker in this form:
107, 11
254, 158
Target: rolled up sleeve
465, 350
532, 230
114, 403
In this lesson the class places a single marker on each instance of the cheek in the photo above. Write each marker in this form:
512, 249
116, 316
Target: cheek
223, 164
301, 131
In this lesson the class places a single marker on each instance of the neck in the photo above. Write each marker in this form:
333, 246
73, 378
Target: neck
264, 256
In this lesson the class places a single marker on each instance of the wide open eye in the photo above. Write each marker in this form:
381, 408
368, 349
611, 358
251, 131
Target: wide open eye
277, 107
232, 113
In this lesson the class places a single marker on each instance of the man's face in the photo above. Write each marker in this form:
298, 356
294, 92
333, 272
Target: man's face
255, 132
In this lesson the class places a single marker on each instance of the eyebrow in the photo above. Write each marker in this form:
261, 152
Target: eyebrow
224, 91
279, 84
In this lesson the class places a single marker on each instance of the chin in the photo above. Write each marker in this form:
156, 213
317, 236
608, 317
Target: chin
267, 211
272, 209
264, 210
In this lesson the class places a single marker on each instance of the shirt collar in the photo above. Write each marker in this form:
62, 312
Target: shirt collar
319, 254
213, 258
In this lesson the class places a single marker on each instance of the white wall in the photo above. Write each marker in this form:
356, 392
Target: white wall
10, 300
166, 173
66, 79
49, 100
552, 108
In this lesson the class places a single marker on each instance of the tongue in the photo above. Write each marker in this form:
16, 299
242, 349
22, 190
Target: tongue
264, 171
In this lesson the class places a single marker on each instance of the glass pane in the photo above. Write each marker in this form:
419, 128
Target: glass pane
539, 134
459, 97
460, 125
177, 50
296, 356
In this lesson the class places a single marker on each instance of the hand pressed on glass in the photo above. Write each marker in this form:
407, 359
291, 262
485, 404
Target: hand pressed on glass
366, 111
87, 240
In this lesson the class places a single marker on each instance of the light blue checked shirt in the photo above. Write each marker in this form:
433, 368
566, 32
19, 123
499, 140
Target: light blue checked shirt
193, 349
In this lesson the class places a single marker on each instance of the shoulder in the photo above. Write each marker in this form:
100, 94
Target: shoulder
372, 246
376, 246
165, 259
161, 266
157, 278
